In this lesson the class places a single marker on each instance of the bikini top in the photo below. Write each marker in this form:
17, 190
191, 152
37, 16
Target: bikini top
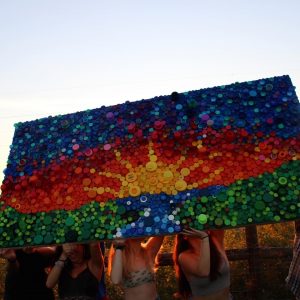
137, 278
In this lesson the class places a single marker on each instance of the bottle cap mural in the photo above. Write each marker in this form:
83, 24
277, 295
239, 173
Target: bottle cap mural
219, 157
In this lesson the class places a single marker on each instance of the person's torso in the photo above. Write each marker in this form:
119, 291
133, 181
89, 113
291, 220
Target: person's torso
84, 285
29, 280
136, 278
201, 286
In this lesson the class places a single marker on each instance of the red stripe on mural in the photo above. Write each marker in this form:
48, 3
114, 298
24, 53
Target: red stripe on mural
163, 165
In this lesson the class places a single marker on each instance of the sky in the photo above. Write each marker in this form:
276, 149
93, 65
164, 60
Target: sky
63, 56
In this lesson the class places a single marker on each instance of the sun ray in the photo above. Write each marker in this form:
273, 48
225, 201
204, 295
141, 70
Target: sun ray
155, 175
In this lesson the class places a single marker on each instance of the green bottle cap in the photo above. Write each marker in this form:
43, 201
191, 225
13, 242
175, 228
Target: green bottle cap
202, 219
282, 180
219, 221
47, 220
38, 239
70, 221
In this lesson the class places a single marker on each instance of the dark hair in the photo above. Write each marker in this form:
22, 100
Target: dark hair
215, 260
68, 263
181, 245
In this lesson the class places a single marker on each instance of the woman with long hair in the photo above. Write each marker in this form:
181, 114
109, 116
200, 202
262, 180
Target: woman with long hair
77, 271
201, 265
131, 264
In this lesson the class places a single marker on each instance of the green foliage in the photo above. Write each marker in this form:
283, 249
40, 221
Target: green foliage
2, 276
166, 282
276, 235
114, 291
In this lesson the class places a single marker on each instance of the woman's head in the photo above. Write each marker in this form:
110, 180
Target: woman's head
76, 253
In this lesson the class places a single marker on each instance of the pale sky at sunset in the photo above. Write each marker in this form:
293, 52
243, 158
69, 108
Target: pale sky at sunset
63, 56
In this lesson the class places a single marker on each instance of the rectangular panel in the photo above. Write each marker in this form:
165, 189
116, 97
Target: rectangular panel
219, 157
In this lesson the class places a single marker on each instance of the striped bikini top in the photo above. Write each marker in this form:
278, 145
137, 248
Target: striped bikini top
137, 278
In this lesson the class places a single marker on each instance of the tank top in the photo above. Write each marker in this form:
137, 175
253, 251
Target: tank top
203, 286
84, 286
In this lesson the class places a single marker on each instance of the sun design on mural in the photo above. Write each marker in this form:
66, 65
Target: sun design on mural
117, 171
155, 176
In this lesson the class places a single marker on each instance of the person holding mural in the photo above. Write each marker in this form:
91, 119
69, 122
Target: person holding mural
77, 271
102, 292
201, 265
26, 275
293, 278
131, 264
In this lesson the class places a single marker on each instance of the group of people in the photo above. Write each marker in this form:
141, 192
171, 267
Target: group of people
77, 269
201, 265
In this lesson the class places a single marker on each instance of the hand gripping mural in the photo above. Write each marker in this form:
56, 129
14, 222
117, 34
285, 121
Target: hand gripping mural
219, 157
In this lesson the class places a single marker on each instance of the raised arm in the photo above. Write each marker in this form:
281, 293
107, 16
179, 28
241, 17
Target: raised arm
96, 263
196, 261
116, 261
45, 251
55, 272
153, 245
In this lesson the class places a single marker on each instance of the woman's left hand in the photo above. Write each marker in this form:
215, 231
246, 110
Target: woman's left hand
119, 242
195, 233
